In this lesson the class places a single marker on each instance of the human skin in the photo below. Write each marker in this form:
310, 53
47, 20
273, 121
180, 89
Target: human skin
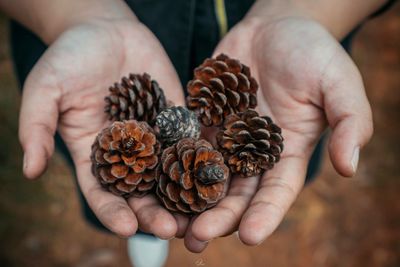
93, 44
307, 83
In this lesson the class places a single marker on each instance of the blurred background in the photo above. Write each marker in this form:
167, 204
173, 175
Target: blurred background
335, 222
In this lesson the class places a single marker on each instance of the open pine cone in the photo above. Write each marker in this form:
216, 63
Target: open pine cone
220, 87
193, 176
250, 143
175, 123
125, 158
136, 97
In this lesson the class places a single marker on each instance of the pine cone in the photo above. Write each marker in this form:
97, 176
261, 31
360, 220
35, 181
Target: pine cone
135, 98
221, 86
125, 158
193, 176
250, 143
175, 123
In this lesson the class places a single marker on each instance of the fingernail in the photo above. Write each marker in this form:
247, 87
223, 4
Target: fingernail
25, 162
354, 158
236, 233
259, 243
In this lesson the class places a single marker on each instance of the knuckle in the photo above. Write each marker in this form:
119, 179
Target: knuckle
269, 206
280, 184
232, 214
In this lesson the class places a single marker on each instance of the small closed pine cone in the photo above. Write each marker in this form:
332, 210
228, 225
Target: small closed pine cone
193, 176
136, 97
125, 158
221, 86
251, 144
175, 123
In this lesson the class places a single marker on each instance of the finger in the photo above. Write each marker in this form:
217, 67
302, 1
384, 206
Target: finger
171, 85
191, 242
224, 218
183, 223
156, 62
37, 124
113, 211
349, 115
277, 191
153, 218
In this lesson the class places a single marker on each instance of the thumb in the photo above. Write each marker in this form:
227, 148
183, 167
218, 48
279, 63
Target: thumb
349, 115
156, 62
37, 124
169, 81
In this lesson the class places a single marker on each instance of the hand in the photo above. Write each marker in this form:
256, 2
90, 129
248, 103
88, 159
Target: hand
307, 81
65, 91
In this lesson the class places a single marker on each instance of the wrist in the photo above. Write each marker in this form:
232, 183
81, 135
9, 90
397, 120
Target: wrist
338, 17
61, 15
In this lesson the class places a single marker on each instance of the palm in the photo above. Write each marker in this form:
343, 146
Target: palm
75, 72
296, 62
290, 71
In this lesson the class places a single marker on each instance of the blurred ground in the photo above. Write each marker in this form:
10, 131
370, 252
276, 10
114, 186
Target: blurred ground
335, 221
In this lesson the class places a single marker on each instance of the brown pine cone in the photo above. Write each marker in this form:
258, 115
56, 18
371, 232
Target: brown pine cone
251, 144
221, 86
135, 98
193, 176
125, 158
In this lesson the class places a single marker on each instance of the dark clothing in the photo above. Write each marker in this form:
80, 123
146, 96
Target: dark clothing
189, 30
384, 8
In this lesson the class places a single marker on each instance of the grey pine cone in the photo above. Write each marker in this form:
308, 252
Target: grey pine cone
175, 123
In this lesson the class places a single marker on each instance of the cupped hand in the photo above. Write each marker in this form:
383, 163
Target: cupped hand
307, 82
65, 91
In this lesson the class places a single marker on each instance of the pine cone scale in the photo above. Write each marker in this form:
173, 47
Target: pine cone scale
183, 207
187, 159
106, 176
173, 192
169, 204
187, 196
175, 171
210, 193
108, 157
162, 183
145, 187
186, 181
217, 84
169, 159
119, 170
133, 178
198, 206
